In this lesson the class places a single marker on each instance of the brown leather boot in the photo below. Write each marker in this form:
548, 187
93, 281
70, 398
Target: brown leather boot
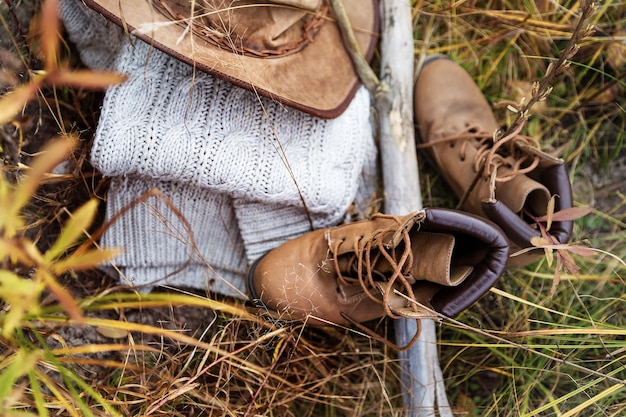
443, 259
509, 182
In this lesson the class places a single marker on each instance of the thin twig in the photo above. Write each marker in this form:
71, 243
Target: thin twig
543, 88
361, 66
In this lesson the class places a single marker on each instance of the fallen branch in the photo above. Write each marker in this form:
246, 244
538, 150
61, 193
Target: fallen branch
393, 100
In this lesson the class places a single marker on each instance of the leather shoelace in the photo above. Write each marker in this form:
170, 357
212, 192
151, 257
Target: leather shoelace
367, 256
493, 153
363, 263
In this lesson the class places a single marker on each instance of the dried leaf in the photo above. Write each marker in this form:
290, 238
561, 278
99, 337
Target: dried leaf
88, 79
549, 256
49, 25
539, 242
550, 212
51, 155
568, 214
543, 242
86, 260
580, 250
557, 277
73, 229
12, 103
62, 295
568, 262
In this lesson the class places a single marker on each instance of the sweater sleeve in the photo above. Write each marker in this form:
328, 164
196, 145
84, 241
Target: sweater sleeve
98, 41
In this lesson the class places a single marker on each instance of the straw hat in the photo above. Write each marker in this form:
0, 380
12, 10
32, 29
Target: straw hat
288, 50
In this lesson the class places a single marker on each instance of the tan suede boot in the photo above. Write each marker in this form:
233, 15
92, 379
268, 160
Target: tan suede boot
510, 181
442, 259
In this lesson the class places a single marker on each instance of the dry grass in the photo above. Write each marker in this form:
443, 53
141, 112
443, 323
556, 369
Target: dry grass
518, 352
562, 355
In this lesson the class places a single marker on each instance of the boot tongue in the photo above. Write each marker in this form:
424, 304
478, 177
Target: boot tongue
405, 308
523, 192
432, 259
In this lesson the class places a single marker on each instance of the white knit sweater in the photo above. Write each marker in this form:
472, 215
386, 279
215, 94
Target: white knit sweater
239, 168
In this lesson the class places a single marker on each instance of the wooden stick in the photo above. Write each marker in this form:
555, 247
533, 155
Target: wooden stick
393, 99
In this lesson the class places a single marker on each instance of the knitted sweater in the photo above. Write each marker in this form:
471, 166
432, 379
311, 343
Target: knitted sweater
246, 173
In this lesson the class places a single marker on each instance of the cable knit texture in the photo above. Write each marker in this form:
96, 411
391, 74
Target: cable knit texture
240, 168
193, 241
209, 133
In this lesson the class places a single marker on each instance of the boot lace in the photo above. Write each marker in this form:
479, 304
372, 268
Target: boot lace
518, 153
367, 254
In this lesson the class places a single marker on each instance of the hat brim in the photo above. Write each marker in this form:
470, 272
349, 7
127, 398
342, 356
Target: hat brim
319, 79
